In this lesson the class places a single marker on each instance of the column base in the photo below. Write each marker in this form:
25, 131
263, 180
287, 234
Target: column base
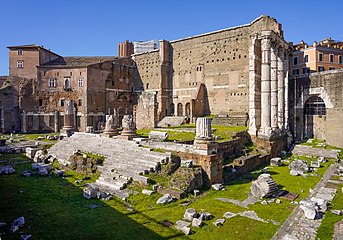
109, 133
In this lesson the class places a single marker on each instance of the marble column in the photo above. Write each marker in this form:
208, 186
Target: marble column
24, 122
265, 87
203, 130
274, 88
254, 89
69, 114
57, 121
128, 125
286, 68
281, 88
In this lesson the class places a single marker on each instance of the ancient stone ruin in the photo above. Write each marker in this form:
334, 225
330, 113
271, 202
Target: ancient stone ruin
128, 125
264, 186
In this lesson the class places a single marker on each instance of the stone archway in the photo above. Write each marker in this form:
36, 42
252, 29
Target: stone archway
172, 109
179, 109
188, 109
314, 118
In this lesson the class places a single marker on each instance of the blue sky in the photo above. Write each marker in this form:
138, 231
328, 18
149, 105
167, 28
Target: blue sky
94, 28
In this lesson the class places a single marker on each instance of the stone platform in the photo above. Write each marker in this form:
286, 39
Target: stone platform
125, 160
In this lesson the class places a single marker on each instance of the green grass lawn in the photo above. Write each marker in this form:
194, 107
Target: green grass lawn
30, 136
180, 133
54, 209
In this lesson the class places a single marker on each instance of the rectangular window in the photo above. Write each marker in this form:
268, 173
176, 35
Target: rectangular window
62, 102
52, 82
80, 82
331, 58
320, 69
320, 56
40, 102
306, 58
295, 72
340, 59
80, 102
20, 64
331, 68
20, 52
295, 60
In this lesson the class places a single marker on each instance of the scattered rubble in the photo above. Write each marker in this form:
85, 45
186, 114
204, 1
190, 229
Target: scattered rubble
219, 222
252, 215
147, 192
190, 214
275, 162
298, 167
218, 186
16, 224
229, 215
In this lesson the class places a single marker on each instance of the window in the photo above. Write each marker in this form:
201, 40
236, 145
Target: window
315, 106
320, 56
20, 64
62, 102
80, 102
295, 72
52, 82
306, 70
331, 58
80, 82
295, 61
340, 60
20, 52
306, 58
66, 83
321, 69
40, 102
331, 68
147, 86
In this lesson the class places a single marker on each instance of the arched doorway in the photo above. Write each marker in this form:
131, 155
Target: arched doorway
314, 118
179, 109
172, 109
188, 109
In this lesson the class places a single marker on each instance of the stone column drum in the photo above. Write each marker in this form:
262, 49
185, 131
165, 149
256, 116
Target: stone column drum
203, 131
111, 127
128, 125
68, 127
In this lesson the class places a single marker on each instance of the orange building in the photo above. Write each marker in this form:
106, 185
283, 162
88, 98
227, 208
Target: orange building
323, 56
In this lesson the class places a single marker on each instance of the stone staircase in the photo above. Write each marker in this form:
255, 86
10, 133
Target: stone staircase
125, 160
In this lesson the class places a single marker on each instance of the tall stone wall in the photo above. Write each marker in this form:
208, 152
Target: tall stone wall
219, 60
329, 87
146, 111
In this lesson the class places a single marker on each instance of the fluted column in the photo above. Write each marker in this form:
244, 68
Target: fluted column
281, 88
69, 114
274, 88
265, 86
286, 68
203, 130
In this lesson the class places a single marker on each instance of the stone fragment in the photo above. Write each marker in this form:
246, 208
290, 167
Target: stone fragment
89, 192
337, 212
264, 202
6, 169
275, 162
315, 164
298, 166
59, 173
219, 222
147, 192
25, 236
206, 216
17, 223
26, 173
155, 187
30, 152
252, 215
197, 222
229, 215
283, 154
190, 213
166, 198
187, 163
182, 223
264, 186
196, 192
42, 172
322, 159
309, 211
186, 230
158, 136
278, 201
40, 156
217, 186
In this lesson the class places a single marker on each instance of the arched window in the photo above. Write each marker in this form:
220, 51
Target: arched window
67, 83
315, 106
179, 109
188, 109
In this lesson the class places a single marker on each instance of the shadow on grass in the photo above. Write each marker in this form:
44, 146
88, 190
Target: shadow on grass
55, 209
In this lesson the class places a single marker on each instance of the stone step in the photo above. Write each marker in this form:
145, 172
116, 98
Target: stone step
114, 185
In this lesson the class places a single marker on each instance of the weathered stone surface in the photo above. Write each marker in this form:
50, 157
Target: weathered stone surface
182, 223
251, 215
40, 156
30, 152
293, 172
190, 213
59, 173
217, 186
203, 130
158, 136
315, 164
275, 162
264, 186
219, 222
196, 192
147, 192
42, 171
187, 163
6, 169
229, 215
206, 216
165, 199
300, 166
19, 222
338, 231
309, 211
90, 192
322, 159
337, 212
197, 222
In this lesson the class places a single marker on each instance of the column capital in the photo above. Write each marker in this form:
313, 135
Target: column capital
266, 43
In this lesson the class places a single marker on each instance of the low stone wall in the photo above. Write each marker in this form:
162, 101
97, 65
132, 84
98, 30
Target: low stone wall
244, 165
240, 120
